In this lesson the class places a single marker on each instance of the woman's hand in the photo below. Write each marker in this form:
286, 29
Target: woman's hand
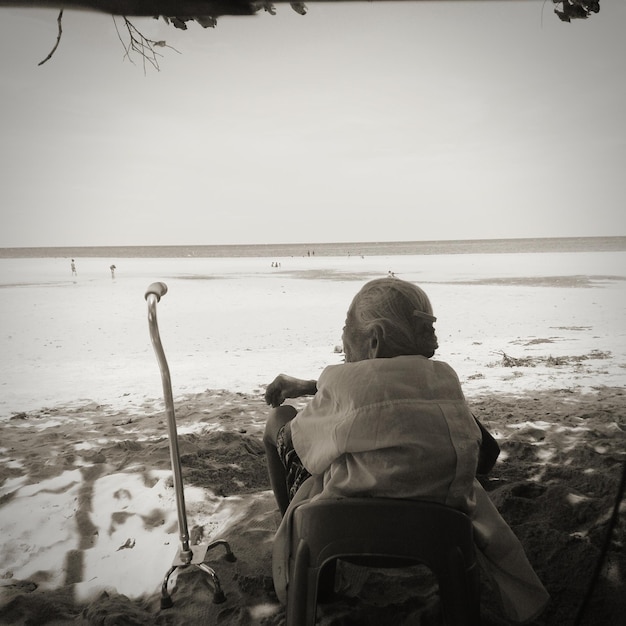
283, 387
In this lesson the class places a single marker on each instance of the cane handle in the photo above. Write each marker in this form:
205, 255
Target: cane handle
157, 289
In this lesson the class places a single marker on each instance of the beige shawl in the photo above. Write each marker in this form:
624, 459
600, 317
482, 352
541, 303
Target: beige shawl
400, 428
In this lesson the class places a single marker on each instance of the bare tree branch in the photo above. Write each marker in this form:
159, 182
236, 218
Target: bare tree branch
56, 45
139, 44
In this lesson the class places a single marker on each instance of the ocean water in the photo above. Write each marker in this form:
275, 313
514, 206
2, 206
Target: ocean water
384, 248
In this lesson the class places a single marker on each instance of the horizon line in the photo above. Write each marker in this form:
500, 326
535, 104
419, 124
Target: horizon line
308, 243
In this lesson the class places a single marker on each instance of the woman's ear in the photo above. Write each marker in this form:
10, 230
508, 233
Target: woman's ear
376, 343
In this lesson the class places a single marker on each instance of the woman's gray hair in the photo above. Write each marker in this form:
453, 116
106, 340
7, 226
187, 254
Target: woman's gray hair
403, 313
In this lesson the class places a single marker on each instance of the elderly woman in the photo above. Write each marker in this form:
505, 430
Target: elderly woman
391, 422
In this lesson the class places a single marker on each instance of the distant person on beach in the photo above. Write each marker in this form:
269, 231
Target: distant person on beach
112, 268
73, 267
431, 449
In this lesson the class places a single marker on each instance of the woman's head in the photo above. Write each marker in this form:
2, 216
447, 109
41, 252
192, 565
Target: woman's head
389, 317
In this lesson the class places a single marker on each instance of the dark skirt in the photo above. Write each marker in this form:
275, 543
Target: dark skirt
295, 472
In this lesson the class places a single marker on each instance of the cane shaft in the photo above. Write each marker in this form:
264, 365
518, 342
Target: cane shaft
152, 299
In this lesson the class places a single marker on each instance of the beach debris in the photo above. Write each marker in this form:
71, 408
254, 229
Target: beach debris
130, 445
253, 446
129, 543
509, 361
581, 328
19, 586
122, 494
196, 535
550, 361
476, 376
534, 342
125, 422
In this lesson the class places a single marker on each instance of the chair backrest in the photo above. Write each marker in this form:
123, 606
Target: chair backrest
396, 531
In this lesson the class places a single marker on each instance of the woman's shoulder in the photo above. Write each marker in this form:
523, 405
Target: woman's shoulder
410, 362
411, 370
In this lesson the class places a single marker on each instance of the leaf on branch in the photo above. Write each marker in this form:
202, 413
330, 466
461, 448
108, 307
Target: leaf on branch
576, 9
269, 7
206, 21
299, 7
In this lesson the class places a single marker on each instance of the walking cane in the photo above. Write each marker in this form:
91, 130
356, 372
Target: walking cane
187, 555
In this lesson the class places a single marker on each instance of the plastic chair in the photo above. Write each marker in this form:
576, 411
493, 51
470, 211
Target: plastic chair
382, 533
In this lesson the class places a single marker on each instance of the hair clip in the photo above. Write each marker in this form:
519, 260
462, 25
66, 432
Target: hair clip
424, 316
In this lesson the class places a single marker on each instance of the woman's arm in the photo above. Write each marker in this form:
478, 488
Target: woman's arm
283, 387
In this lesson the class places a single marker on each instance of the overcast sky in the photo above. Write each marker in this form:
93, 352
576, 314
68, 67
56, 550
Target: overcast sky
357, 122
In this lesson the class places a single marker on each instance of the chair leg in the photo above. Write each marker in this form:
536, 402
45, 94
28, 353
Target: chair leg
474, 581
298, 593
306, 586
459, 593
326, 582
311, 597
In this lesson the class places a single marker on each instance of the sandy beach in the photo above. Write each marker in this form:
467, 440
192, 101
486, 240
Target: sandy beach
87, 508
